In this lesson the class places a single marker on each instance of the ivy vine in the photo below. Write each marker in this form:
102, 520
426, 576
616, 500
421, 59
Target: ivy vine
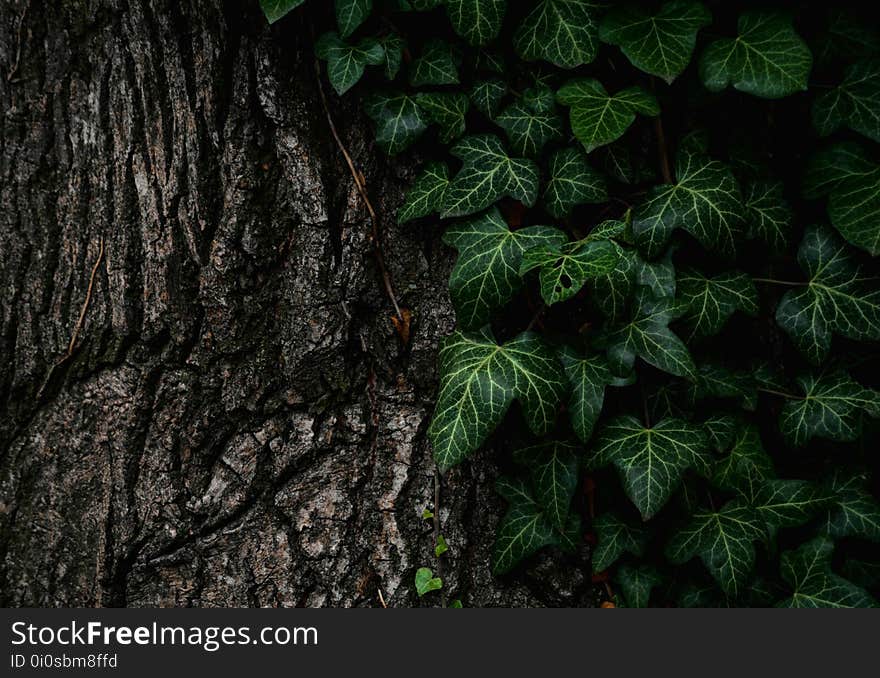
665, 216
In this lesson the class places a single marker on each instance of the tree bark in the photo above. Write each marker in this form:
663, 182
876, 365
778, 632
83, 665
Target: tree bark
237, 422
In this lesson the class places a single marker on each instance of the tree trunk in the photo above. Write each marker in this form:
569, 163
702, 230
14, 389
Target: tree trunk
204, 399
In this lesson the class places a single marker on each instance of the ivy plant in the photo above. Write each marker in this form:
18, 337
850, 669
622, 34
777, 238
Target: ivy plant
665, 218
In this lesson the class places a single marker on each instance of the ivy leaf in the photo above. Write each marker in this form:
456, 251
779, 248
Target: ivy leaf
723, 540
487, 175
419, 5
648, 336
705, 202
768, 59
393, 45
425, 196
531, 122
447, 110
808, 571
435, 66
487, 272
836, 299
650, 460
659, 44
426, 581
720, 430
614, 537
789, 503
572, 182
831, 408
768, 215
350, 14
717, 381
847, 36
276, 9
853, 182
478, 381
636, 583
598, 118
855, 103
562, 32
399, 120
853, 511
711, 301
611, 292
346, 63
553, 468
477, 21
656, 276
588, 378
486, 96
746, 467
564, 268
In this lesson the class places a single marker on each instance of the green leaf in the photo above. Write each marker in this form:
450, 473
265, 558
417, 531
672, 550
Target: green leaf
648, 336
716, 381
477, 21
562, 32
808, 571
768, 59
572, 182
487, 272
836, 299
425, 196
441, 547
854, 512
853, 182
746, 467
598, 118
656, 276
399, 120
393, 45
723, 540
435, 66
720, 430
855, 103
614, 537
531, 122
564, 268
523, 530
588, 378
447, 110
276, 9
848, 36
768, 216
789, 503
705, 202
832, 407
553, 469
346, 63
419, 5
486, 96
636, 583
488, 174
711, 301
650, 460
660, 44
426, 581
611, 293
350, 14
480, 379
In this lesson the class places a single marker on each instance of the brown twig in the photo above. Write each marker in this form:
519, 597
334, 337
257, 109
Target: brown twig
663, 150
79, 321
382, 599
361, 185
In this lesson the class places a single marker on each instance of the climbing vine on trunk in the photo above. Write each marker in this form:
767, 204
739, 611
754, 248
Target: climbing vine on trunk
666, 217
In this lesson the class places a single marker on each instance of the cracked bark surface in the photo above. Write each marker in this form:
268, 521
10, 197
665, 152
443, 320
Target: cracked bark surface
238, 424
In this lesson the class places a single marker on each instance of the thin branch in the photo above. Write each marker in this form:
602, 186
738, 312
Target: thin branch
782, 394
361, 185
773, 281
662, 146
382, 599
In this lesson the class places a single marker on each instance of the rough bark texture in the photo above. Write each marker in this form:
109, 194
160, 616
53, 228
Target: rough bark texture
238, 423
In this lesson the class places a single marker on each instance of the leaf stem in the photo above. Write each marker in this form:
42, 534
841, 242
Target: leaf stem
773, 281
782, 394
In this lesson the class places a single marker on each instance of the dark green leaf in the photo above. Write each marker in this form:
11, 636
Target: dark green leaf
746, 466
276, 9
808, 571
346, 63
572, 182
447, 110
564, 268
435, 66
767, 59
768, 216
399, 120
562, 32
711, 301
614, 537
588, 378
477, 21
854, 104
530, 123
425, 196
660, 44
553, 468
636, 583
486, 96
350, 14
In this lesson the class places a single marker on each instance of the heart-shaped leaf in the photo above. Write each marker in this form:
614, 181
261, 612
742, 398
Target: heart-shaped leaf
588, 378
435, 66
855, 103
808, 571
614, 537
767, 59
711, 301
768, 215
636, 583
562, 32
479, 379
399, 120
425, 196
487, 272
531, 122
598, 118
488, 174
486, 96
572, 182
650, 460
346, 63
350, 14
477, 21
447, 110
746, 466
660, 44
553, 468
